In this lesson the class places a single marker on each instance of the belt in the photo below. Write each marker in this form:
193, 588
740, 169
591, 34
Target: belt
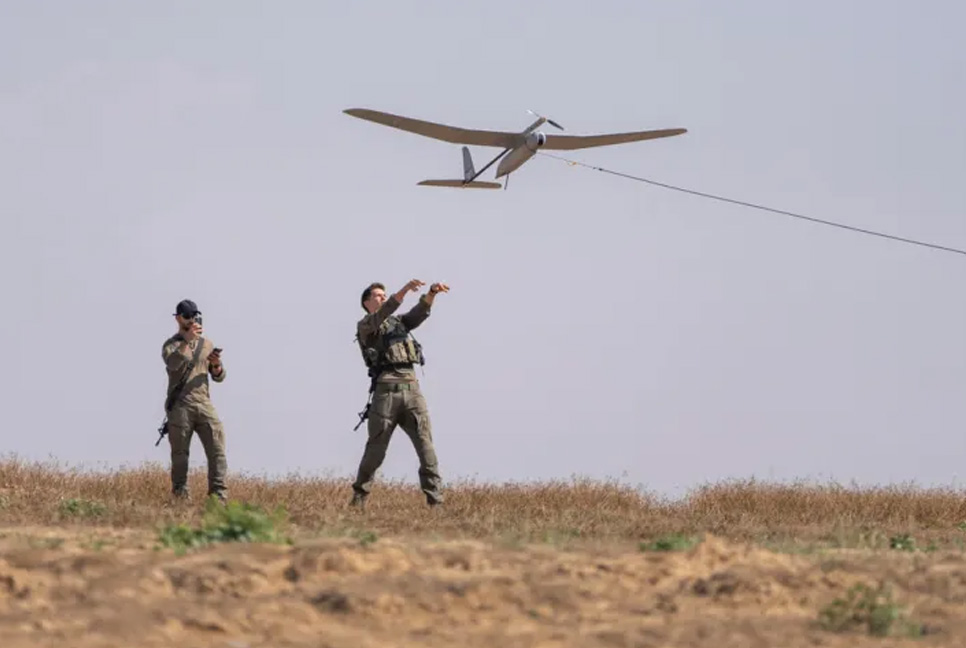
400, 386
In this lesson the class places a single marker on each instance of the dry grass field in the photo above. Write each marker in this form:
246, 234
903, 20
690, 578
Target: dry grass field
108, 559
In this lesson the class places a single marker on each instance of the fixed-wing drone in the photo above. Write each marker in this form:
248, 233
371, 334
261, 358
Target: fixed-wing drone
521, 146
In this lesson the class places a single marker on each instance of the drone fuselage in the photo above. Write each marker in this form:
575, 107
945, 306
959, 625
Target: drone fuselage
518, 156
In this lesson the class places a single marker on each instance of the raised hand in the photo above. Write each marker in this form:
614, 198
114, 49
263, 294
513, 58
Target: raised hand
214, 358
192, 332
412, 286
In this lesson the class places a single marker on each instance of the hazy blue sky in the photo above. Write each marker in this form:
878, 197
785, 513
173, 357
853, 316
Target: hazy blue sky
596, 326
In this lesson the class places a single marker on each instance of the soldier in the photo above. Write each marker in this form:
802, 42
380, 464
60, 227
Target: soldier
391, 353
189, 359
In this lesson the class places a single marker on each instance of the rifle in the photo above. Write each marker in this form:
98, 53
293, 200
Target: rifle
176, 392
364, 414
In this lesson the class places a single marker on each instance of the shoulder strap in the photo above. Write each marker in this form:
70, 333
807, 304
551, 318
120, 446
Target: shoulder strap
176, 393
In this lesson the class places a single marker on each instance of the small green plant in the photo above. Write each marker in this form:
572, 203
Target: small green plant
366, 538
870, 607
76, 507
672, 542
903, 542
233, 522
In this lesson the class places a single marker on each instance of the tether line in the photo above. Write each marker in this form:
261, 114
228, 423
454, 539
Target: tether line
756, 206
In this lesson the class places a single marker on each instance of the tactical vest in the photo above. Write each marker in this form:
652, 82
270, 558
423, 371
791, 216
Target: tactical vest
394, 345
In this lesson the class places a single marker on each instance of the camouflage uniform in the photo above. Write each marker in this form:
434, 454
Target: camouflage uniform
194, 412
397, 398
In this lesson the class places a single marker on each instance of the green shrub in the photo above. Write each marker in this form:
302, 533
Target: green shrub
870, 607
234, 522
903, 542
672, 542
76, 507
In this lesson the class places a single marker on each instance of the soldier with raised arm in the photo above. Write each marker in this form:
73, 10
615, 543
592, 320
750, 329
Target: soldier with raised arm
391, 353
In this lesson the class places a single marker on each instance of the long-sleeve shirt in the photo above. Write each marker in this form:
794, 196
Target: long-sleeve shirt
369, 327
176, 355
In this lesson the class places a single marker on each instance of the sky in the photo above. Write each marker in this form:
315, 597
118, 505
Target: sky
596, 327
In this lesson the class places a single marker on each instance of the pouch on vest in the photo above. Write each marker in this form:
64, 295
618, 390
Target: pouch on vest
394, 345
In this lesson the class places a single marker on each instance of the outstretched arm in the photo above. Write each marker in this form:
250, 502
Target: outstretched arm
418, 313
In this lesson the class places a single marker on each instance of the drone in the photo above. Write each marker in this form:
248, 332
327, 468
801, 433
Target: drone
518, 147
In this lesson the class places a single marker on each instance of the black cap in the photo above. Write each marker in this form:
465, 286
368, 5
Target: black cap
187, 309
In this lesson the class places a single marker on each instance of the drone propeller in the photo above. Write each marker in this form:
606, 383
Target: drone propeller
548, 120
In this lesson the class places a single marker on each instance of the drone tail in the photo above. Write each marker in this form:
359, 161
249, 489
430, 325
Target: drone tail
468, 169
461, 184
468, 182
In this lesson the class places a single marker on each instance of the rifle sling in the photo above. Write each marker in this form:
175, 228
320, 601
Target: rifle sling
176, 394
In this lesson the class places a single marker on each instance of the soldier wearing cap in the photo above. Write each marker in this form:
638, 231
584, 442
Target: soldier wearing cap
191, 358
391, 353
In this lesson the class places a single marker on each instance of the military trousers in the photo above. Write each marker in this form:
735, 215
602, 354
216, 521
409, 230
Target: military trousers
400, 404
184, 420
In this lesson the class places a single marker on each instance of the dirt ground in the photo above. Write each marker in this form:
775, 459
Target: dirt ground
87, 587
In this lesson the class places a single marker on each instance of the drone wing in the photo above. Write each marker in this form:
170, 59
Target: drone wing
438, 131
461, 184
571, 142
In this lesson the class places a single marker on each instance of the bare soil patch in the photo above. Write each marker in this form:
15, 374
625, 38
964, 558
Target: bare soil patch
571, 564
